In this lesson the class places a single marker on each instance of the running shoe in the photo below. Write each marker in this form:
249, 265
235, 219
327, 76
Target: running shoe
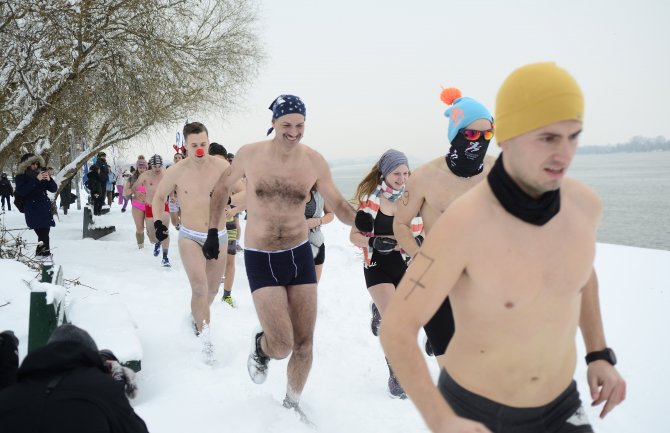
157, 249
376, 321
166, 263
257, 364
292, 404
395, 389
229, 300
207, 347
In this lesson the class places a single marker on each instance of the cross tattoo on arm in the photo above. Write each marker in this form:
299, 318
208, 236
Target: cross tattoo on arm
425, 261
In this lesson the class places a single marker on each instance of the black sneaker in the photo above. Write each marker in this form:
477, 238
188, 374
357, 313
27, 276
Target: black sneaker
257, 363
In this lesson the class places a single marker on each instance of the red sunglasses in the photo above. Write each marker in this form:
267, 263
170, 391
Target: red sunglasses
474, 134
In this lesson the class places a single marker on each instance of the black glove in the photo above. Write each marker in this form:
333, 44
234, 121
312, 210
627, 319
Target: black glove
211, 246
364, 221
382, 245
419, 240
161, 230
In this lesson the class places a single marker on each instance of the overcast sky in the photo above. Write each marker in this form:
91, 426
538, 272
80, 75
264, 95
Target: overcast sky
370, 71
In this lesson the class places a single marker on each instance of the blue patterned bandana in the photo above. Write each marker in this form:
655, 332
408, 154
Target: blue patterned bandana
286, 104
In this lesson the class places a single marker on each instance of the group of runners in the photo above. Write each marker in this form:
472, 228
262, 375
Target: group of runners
492, 257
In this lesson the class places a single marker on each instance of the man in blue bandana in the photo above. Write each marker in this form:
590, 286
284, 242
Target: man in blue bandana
280, 172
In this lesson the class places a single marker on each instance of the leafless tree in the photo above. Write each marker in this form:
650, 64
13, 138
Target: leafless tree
109, 70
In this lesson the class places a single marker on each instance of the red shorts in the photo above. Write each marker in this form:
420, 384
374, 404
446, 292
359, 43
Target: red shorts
148, 212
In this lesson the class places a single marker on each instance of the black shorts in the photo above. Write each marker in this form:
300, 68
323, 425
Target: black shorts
321, 256
280, 268
563, 415
440, 328
389, 268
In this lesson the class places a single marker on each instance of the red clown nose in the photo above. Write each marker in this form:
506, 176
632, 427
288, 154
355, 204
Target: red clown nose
200, 152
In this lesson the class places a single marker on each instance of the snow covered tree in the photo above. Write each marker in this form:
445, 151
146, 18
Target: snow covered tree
108, 70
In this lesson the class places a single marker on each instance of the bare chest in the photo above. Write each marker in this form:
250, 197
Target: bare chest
195, 187
151, 183
525, 266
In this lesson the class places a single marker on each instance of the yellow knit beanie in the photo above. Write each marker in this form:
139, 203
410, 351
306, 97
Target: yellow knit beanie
534, 96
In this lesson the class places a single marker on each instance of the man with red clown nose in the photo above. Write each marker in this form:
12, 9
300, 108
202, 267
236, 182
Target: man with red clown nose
193, 179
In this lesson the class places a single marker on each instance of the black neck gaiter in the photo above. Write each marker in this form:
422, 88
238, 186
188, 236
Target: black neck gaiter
466, 158
517, 202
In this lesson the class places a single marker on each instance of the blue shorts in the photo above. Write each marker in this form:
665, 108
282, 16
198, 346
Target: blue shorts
290, 267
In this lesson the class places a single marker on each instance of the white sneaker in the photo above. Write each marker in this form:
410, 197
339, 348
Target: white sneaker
207, 346
257, 364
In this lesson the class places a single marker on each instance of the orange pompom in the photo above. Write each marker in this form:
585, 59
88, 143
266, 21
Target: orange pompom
449, 95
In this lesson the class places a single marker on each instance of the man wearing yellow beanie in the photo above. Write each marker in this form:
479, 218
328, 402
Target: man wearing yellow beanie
515, 256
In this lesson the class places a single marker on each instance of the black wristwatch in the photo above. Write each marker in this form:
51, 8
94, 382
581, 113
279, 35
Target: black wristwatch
606, 354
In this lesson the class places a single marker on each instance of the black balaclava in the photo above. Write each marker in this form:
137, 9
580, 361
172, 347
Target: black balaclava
466, 158
517, 202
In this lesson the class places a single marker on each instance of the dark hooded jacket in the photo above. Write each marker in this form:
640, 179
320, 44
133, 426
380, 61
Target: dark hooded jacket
95, 184
37, 206
63, 387
104, 170
6, 188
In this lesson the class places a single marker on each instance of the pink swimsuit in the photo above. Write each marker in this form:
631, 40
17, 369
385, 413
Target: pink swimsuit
140, 204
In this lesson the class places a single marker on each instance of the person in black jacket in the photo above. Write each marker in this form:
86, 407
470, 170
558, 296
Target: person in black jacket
9, 358
64, 386
96, 188
32, 183
101, 163
66, 196
6, 191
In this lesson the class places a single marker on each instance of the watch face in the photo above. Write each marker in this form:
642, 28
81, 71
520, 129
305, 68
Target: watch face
611, 356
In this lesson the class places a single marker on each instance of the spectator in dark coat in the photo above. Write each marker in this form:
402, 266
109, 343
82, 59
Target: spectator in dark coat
101, 163
65, 387
66, 196
32, 183
96, 188
6, 191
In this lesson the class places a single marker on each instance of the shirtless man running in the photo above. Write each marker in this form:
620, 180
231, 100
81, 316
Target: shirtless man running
150, 180
193, 179
433, 186
515, 255
278, 258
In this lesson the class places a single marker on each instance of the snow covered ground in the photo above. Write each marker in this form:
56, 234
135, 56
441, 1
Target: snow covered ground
346, 390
